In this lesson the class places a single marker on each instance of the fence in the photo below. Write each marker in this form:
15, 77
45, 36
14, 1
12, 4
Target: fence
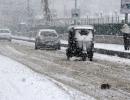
82, 21
103, 25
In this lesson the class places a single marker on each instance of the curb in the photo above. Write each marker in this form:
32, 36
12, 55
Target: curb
113, 53
23, 39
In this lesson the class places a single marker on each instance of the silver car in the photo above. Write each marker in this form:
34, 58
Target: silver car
5, 34
47, 38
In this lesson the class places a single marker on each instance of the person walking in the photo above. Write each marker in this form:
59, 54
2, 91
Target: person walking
126, 36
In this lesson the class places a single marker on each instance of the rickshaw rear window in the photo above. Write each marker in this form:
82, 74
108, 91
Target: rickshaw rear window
84, 31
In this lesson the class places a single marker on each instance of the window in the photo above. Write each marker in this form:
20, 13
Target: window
48, 34
84, 31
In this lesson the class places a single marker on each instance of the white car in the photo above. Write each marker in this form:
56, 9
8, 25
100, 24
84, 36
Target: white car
5, 34
47, 38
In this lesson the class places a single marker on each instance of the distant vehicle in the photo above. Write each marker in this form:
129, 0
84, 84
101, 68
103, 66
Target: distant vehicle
81, 42
47, 38
5, 34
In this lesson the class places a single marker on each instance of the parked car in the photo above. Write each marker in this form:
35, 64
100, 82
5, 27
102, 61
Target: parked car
47, 38
81, 42
5, 34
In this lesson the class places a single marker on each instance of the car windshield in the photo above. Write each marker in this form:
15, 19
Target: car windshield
48, 34
4, 31
84, 31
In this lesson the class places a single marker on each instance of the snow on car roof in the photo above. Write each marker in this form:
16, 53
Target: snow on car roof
42, 30
5, 29
82, 27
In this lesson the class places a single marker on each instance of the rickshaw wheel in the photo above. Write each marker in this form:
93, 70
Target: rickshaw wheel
90, 55
68, 58
91, 59
84, 57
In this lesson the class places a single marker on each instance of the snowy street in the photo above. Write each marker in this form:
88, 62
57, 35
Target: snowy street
20, 83
64, 50
72, 76
105, 46
114, 47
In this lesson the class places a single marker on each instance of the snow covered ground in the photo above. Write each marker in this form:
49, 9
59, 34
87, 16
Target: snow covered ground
114, 59
17, 82
24, 38
20, 42
114, 47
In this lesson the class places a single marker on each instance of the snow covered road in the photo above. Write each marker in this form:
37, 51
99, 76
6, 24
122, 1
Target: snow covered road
85, 77
17, 82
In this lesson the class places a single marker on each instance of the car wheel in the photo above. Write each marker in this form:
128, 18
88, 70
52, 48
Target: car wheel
59, 48
36, 47
68, 54
90, 59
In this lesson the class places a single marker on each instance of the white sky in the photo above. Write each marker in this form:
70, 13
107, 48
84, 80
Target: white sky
63, 7
87, 7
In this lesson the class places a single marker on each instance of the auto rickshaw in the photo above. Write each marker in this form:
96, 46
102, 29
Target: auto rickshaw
81, 42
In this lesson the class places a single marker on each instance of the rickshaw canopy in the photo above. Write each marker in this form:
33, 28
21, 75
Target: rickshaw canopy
81, 27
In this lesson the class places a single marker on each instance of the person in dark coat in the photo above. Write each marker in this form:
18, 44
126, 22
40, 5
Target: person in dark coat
126, 36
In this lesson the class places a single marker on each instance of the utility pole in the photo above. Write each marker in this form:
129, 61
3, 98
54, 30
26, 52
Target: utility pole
76, 15
29, 14
126, 18
75, 4
46, 10
28, 8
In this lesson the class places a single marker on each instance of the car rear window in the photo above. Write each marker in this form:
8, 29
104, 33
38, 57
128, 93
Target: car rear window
48, 34
4, 31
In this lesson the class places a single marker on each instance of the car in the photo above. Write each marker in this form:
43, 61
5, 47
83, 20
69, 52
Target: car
47, 39
81, 42
5, 34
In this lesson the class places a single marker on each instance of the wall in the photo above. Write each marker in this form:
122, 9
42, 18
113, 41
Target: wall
112, 39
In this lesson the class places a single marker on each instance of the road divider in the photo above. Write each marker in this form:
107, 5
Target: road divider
113, 53
64, 43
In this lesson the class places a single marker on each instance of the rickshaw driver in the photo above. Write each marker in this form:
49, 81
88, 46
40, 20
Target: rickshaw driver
84, 37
